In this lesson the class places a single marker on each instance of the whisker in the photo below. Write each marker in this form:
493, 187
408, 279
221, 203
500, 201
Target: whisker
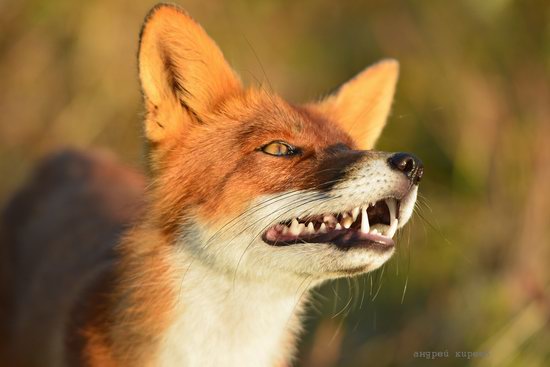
363, 292
265, 203
379, 282
266, 227
404, 289
242, 216
303, 293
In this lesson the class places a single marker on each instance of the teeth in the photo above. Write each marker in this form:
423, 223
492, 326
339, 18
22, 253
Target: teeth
364, 221
295, 227
393, 228
392, 206
347, 222
355, 213
348, 218
329, 219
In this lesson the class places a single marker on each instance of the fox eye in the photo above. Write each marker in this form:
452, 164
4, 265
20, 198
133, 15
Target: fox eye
279, 149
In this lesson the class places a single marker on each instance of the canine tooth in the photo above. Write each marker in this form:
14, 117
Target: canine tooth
338, 226
391, 206
355, 213
295, 227
393, 228
323, 228
310, 228
364, 221
347, 222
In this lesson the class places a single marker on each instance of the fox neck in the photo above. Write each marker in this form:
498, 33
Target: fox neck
233, 322
169, 308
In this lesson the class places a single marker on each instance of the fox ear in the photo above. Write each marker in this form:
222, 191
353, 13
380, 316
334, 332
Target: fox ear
182, 71
362, 105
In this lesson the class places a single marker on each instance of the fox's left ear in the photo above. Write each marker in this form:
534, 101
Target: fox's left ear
183, 73
362, 105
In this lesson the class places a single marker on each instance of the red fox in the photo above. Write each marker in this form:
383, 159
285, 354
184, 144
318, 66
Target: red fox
250, 202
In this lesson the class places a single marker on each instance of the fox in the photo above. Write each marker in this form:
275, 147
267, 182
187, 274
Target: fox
248, 203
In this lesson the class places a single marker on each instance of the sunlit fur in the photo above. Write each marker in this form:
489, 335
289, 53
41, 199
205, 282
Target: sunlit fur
195, 284
199, 286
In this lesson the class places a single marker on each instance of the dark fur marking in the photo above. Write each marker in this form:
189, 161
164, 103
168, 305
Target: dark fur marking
334, 166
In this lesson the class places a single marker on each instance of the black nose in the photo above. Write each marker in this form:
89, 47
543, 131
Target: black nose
407, 163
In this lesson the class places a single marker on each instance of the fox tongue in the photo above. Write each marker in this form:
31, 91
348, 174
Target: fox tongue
276, 236
349, 239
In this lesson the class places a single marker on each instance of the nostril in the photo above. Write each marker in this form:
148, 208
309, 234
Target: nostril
403, 162
407, 163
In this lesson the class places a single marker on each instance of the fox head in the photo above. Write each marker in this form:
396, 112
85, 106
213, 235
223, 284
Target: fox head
258, 187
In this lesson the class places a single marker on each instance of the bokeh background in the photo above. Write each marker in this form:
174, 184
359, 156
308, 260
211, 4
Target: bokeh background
473, 101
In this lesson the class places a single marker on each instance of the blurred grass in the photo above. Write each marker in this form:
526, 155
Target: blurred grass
473, 101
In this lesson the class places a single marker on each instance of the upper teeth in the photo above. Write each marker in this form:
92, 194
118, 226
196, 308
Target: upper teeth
347, 222
355, 213
331, 222
365, 228
295, 227
393, 217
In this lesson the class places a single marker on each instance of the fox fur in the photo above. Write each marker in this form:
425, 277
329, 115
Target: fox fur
103, 267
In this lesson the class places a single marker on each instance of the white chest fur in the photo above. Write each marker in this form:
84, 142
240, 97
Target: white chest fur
222, 322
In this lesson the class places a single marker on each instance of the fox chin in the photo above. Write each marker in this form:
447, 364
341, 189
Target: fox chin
250, 201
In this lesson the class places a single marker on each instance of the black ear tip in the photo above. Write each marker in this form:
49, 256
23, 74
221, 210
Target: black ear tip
159, 7
163, 5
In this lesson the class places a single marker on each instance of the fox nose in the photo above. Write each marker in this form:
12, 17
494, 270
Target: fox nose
407, 163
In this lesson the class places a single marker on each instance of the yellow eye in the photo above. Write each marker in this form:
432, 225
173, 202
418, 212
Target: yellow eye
279, 149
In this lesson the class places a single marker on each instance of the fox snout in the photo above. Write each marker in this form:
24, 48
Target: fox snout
345, 163
367, 195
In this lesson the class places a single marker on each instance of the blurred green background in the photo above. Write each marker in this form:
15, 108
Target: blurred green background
473, 101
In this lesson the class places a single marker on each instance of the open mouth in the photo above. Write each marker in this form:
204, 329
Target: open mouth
372, 225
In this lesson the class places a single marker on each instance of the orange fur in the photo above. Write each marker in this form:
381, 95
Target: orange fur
366, 98
136, 309
204, 128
